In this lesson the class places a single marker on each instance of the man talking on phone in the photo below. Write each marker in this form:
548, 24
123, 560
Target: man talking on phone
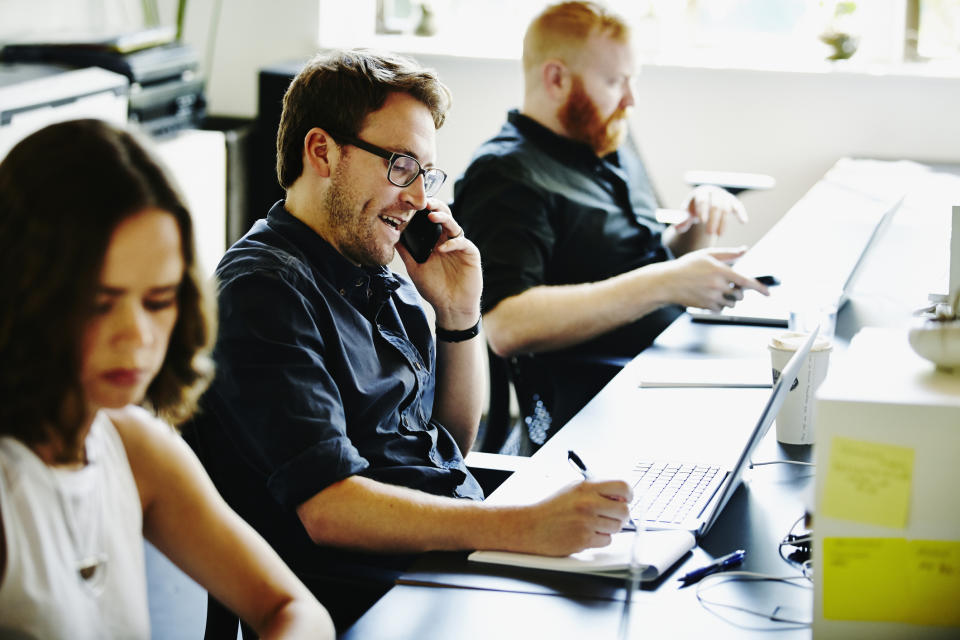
577, 270
336, 424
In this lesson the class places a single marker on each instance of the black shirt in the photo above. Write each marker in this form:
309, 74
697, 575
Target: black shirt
324, 370
545, 210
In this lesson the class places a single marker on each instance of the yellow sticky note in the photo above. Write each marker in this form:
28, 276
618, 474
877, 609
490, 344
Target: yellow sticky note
892, 580
933, 582
868, 482
863, 578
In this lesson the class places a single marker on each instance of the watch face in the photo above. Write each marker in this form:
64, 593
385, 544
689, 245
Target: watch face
420, 235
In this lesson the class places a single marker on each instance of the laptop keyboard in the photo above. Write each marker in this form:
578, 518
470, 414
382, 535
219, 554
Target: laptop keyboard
672, 491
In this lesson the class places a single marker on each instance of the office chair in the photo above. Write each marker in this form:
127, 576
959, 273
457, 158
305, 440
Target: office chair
498, 424
535, 422
544, 403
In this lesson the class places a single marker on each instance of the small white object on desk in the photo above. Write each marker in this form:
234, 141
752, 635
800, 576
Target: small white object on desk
938, 342
937, 338
795, 421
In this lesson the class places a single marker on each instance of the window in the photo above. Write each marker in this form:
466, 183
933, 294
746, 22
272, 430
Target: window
938, 31
767, 33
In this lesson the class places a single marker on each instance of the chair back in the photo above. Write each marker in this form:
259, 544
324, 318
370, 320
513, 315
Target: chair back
534, 424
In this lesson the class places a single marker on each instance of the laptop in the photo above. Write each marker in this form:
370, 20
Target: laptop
825, 280
662, 501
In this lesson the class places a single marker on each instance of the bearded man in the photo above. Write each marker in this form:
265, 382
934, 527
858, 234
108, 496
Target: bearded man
339, 418
577, 271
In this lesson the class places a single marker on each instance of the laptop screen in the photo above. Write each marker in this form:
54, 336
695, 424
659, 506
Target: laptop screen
873, 241
777, 396
829, 280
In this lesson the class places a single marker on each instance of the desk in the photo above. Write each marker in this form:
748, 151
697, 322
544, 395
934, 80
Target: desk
482, 601
465, 600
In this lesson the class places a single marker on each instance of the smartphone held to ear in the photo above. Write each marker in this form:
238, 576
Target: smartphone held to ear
420, 235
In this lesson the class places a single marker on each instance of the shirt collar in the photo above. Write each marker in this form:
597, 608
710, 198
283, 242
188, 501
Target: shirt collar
351, 280
556, 145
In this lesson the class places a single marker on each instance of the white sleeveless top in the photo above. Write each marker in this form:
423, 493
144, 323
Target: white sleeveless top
74, 544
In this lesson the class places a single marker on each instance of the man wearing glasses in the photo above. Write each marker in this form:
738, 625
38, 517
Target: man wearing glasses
336, 425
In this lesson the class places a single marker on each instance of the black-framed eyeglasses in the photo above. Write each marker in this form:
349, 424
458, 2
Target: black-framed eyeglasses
402, 169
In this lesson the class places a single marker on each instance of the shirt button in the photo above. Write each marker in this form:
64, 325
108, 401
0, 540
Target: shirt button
343, 292
416, 365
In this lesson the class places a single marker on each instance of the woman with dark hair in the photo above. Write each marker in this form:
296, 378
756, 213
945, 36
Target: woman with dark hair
101, 310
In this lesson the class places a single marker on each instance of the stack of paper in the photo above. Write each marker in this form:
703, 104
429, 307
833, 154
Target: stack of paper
705, 372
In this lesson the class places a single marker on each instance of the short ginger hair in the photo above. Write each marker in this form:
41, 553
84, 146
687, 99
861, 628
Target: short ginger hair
560, 30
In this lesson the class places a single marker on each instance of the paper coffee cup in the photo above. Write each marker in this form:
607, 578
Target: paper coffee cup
796, 417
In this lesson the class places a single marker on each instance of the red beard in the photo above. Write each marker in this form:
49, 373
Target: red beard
582, 122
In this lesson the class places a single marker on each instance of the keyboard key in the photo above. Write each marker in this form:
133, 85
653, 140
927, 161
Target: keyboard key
671, 491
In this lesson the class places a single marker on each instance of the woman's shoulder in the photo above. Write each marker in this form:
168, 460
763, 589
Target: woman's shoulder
132, 419
153, 448
139, 430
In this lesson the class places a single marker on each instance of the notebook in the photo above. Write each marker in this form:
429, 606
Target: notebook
811, 274
656, 552
699, 492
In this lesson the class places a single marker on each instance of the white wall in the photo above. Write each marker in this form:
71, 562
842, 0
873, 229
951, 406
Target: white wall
792, 125
250, 34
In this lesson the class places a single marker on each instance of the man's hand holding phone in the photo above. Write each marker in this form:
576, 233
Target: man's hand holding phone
442, 263
420, 235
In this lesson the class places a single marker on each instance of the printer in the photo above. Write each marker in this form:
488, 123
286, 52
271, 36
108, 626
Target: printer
35, 95
166, 87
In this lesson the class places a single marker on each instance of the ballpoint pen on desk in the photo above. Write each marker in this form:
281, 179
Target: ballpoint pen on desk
582, 468
720, 564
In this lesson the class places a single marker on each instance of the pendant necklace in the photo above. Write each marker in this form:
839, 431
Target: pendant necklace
80, 494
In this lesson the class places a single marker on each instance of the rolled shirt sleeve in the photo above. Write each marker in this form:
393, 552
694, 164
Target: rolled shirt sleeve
277, 386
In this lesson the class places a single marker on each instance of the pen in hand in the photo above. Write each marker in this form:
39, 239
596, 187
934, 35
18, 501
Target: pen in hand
720, 564
582, 468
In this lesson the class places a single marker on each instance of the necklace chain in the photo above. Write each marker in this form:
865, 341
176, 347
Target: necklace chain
90, 558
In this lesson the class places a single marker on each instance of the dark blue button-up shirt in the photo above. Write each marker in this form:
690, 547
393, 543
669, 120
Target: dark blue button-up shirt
324, 370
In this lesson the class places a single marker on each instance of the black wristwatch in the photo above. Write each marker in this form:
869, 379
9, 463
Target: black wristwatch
445, 335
